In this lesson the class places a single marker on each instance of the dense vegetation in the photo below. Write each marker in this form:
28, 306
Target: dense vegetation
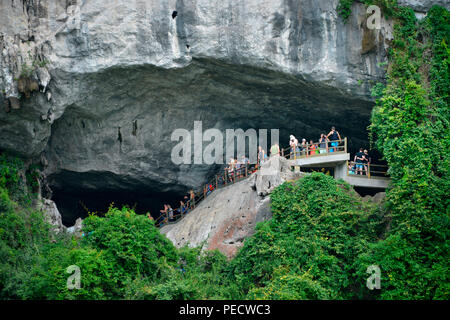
321, 238
309, 249
410, 126
121, 255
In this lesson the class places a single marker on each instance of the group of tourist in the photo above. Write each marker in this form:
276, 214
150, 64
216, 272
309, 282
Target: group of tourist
168, 214
240, 168
360, 164
327, 143
237, 169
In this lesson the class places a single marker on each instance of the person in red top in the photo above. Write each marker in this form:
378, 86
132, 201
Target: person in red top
312, 148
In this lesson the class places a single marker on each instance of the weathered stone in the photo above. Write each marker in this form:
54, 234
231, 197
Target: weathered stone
77, 227
377, 198
369, 39
51, 213
44, 78
305, 39
27, 85
228, 216
273, 173
14, 102
424, 5
292, 65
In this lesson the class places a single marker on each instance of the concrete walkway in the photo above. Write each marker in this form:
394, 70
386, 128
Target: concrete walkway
339, 162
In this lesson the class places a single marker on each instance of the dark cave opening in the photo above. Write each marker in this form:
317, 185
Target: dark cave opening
77, 203
117, 151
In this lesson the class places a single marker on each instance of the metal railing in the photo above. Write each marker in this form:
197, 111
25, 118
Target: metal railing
234, 175
366, 170
316, 149
228, 177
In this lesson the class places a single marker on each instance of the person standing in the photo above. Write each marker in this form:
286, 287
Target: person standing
275, 150
312, 148
292, 145
323, 143
261, 156
359, 159
334, 137
164, 214
304, 147
182, 208
231, 170
170, 211
238, 170
192, 199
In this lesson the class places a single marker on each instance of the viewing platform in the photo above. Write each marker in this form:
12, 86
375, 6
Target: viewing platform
332, 154
336, 157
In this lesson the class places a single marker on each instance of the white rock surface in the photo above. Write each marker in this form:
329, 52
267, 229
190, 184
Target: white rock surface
229, 215
114, 66
51, 213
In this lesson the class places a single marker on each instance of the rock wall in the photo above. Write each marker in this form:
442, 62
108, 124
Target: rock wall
423, 6
51, 213
115, 79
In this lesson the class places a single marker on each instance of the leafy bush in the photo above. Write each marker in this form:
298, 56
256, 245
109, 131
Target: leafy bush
319, 227
132, 241
410, 127
23, 231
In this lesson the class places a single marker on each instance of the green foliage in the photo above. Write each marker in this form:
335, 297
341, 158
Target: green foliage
308, 249
122, 255
132, 242
389, 8
344, 8
410, 126
20, 182
289, 286
22, 231
9, 173
48, 278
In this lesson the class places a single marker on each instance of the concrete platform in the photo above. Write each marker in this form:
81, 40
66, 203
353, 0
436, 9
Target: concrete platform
329, 160
338, 161
365, 182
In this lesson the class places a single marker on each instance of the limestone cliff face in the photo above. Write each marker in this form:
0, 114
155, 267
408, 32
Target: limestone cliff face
112, 80
422, 6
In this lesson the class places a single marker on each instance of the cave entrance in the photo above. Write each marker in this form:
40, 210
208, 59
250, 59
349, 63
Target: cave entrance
76, 204
119, 129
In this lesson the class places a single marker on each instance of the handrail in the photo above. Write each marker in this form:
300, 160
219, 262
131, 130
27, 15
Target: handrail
315, 149
218, 182
235, 175
229, 177
365, 169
